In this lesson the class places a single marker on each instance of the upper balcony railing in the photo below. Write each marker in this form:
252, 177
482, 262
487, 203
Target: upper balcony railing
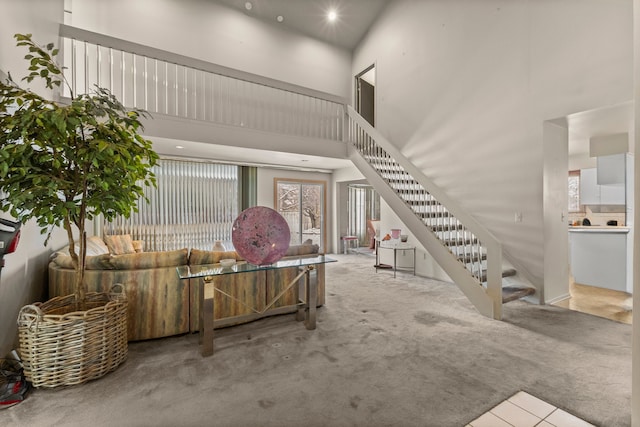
166, 83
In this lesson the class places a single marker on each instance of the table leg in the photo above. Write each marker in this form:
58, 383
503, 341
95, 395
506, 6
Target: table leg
395, 260
311, 281
206, 316
414, 262
302, 298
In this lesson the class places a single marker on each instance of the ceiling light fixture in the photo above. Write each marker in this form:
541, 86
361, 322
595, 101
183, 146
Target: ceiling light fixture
248, 5
179, 147
332, 15
279, 18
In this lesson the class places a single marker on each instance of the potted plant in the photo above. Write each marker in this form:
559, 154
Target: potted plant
62, 164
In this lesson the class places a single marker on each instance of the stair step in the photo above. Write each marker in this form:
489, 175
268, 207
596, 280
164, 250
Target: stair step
469, 258
431, 202
409, 187
512, 293
380, 160
505, 273
459, 242
396, 176
433, 215
445, 228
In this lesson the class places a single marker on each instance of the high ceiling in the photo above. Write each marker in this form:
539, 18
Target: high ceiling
309, 17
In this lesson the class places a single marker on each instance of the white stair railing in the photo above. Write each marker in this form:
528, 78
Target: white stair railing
166, 83
468, 252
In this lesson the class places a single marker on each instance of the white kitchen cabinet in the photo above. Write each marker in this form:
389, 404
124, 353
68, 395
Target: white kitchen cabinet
612, 195
593, 194
589, 188
611, 169
599, 257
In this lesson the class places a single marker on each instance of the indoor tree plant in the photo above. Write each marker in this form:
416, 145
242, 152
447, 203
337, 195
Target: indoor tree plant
64, 162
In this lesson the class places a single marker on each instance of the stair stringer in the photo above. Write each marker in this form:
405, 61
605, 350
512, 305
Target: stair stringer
488, 301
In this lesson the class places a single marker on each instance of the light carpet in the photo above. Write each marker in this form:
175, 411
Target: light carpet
408, 351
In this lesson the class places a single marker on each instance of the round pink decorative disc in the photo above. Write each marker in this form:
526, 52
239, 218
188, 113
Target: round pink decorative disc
260, 235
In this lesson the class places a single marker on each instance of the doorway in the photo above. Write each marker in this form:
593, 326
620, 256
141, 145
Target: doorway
302, 204
365, 96
568, 144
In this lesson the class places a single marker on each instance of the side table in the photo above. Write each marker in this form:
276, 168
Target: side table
385, 244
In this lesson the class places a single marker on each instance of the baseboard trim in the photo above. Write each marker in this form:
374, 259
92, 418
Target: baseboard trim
558, 299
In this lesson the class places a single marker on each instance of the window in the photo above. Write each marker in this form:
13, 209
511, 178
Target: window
302, 204
574, 191
194, 205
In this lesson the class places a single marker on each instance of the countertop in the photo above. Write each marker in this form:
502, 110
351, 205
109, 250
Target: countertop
598, 229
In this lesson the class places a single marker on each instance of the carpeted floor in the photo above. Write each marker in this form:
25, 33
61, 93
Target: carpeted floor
387, 352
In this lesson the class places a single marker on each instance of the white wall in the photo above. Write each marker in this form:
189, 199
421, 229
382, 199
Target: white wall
464, 87
635, 142
23, 279
555, 207
205, 30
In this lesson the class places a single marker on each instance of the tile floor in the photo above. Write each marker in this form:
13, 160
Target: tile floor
525, 410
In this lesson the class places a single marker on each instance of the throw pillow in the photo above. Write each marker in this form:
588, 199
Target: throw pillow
138, 245
95, 246
120, 244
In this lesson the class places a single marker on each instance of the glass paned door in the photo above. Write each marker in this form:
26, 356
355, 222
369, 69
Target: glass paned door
302, 204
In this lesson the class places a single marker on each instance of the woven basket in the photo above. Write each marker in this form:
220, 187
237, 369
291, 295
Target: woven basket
61, 346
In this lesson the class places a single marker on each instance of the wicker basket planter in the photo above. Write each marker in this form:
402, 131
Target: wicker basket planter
60, 345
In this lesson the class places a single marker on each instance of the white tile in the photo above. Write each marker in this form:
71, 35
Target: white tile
544, 424
537, 407
489, 420
560, 418
515, 415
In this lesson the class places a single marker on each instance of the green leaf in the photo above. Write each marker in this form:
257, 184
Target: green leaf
58, 175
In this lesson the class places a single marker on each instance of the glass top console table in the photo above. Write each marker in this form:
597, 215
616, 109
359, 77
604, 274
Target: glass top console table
307, 294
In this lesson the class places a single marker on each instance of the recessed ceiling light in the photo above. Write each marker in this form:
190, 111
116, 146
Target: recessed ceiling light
179, 147
332, 15
279, 18
248, 5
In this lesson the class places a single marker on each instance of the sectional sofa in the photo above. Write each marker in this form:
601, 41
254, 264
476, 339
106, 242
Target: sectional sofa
160, 304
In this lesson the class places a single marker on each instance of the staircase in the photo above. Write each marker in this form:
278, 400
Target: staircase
467, 252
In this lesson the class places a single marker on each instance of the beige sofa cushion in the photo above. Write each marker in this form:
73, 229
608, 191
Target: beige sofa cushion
304, 249
200, 257
97, 262
143, 260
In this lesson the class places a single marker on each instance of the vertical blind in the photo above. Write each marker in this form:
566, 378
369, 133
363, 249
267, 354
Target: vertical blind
193, 205
363, 205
